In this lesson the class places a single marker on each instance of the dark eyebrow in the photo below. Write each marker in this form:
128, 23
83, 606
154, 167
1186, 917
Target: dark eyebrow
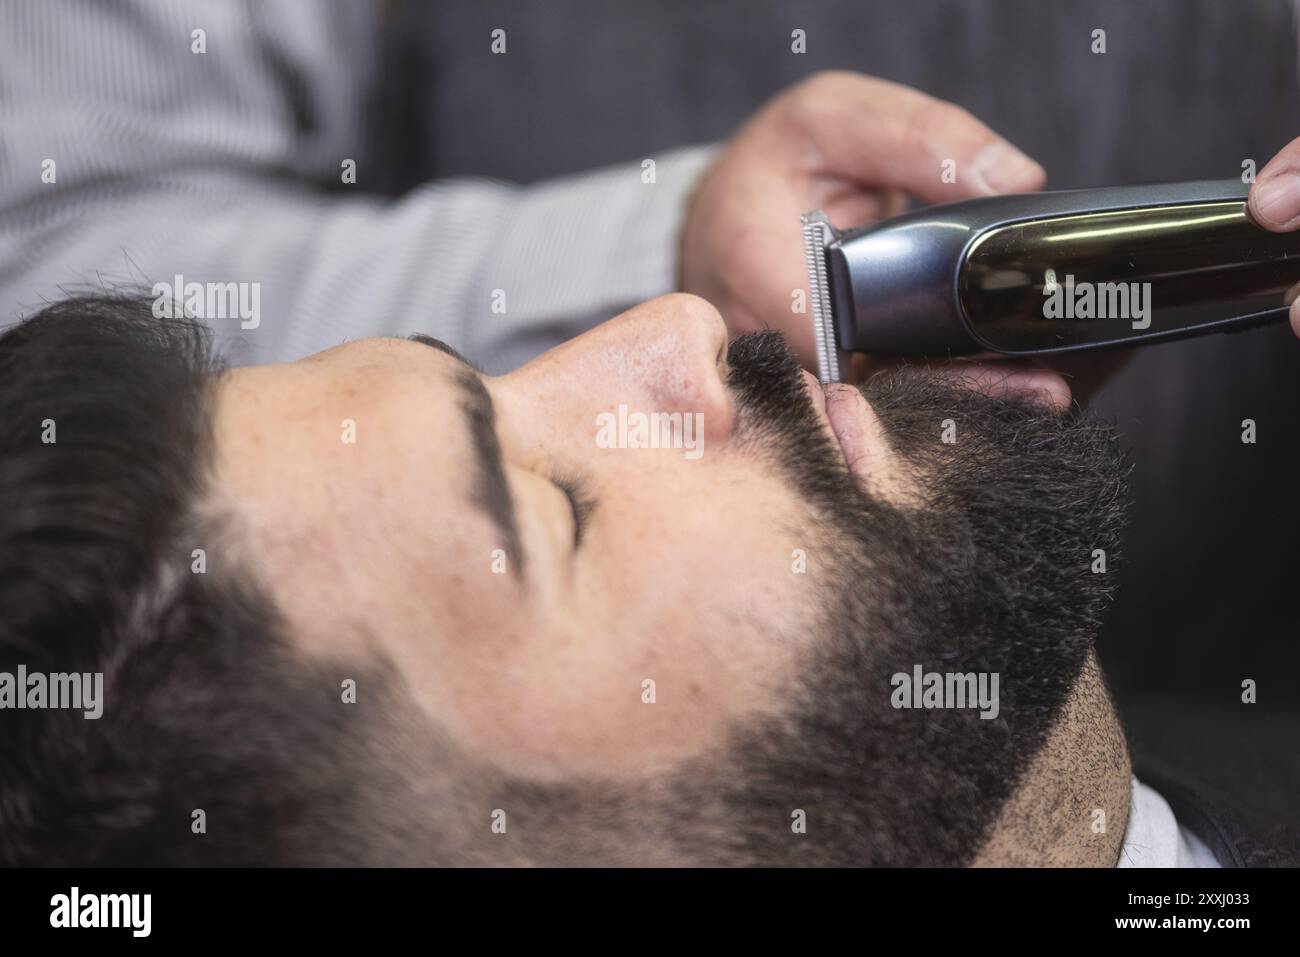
491, 490
442, 347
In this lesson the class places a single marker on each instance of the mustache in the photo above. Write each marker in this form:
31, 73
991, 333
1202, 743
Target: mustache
776, 418
764, 377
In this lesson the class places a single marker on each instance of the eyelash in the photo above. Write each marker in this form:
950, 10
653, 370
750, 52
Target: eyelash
581, 503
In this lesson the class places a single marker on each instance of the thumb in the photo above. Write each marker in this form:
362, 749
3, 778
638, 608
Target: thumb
1274, 200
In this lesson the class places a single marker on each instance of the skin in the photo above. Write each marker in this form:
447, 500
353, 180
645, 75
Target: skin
1274, 201
1053, 819
683, 574
542, 669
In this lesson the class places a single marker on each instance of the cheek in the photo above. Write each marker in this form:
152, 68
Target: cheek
630, 697
682, 630
672, 638
684, 621
725, 546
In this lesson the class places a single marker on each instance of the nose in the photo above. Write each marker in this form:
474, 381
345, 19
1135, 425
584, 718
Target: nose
665, 355
672, 349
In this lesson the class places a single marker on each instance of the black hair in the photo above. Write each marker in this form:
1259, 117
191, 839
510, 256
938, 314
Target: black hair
105, 452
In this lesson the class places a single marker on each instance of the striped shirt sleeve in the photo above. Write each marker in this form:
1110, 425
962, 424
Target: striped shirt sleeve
189, 142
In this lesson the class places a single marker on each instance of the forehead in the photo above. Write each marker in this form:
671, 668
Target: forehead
363, 376
420, 355
361, 419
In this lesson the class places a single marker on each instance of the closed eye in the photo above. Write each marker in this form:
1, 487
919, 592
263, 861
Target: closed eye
580, 503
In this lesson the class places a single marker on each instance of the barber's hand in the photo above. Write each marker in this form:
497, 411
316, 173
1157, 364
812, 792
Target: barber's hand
1275, 201
848, 144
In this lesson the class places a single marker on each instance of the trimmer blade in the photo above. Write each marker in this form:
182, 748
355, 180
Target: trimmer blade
818, 233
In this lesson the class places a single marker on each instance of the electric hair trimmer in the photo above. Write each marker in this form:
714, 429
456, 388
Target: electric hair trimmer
1043, 273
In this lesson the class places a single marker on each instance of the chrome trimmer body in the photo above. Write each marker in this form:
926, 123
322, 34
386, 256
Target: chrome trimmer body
1043, 273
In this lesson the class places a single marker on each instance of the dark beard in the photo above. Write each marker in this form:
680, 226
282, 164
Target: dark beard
992, 574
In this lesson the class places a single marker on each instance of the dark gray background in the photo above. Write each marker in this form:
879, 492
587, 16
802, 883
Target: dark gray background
1187, 89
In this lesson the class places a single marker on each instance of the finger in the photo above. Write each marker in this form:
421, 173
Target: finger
886, 135
1274, 200
852, 206
1295, 317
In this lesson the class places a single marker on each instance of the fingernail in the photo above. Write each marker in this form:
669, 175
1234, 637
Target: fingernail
1001, 168
1276, 200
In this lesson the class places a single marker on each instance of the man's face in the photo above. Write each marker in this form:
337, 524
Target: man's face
391, 497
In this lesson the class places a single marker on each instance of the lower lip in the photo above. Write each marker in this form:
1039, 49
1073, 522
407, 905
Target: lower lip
1012, 378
